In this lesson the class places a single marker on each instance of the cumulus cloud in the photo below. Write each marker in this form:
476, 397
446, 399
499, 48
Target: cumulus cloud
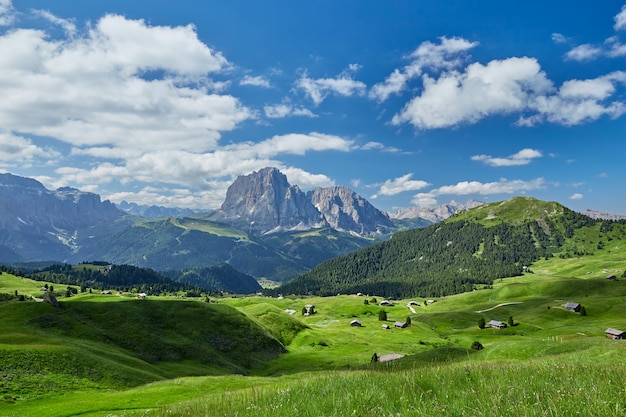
586, 52
68, 25
620, 19
455, 98
578, 101
343, 85
576, 196
258, 81
558, 38
446, 54
279, 111
523, 157
400, 185
509, 86
7, 13
503, 186
16, 149
197, 170
123, 84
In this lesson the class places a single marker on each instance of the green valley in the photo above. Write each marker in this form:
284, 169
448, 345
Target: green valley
308, 355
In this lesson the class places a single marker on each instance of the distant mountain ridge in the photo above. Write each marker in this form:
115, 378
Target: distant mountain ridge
39, 224
153, 211
435, 214
603, 215
266, 227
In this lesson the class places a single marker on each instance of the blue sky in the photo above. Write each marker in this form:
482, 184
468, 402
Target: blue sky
406, 102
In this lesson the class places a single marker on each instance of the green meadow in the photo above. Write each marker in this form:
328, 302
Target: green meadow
116, 355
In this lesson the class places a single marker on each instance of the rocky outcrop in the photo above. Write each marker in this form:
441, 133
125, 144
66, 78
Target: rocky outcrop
265, 202
345, 210
435, 214
603, 215
40, 224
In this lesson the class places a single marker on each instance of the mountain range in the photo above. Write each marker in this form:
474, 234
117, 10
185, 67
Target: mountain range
266, 227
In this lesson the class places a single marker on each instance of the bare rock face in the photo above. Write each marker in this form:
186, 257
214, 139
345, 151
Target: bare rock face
435, 214
346, 210
603, 215
264, 202
40, 224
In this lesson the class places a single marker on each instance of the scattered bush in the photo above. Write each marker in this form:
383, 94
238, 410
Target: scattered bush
476, 345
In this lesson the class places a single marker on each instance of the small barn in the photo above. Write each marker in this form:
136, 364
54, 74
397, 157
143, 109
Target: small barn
386, 303
494, 324
611, 277
355, 323
413, 303
400, 325
614, 333
309, 310
571, 306
385, 326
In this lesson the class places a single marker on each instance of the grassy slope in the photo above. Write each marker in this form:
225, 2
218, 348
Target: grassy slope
552, 362
111, 342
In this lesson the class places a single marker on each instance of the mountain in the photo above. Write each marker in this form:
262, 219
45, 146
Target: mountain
346, 211
154, 211
266, 228
603, 215
473, 247
264, 202
39, 224
434, 214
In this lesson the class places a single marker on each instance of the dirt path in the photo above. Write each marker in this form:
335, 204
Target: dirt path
499, 305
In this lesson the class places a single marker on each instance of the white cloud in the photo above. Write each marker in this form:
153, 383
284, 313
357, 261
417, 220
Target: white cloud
319, 89
278, 111
586, 52
455, 98
576, 196
446, 54
258, 81
193, 170
400, 185
558, 38
19, 150
578, 101
377, 146
90, 89
523, 157
503, 186
510, 86
67, 25
7, 13
620, 19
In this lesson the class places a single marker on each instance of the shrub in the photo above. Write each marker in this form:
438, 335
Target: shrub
382, 315
481, 323
476, 345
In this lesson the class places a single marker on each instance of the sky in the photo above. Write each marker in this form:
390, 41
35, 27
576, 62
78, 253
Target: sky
406, 102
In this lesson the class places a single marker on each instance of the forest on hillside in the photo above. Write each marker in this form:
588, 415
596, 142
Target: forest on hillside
442, 259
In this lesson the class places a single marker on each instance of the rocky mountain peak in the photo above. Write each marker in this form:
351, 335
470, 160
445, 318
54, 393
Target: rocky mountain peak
264, 201
435, 214
346, 210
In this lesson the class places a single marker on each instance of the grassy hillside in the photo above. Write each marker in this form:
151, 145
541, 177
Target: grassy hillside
119, 356
108, 341
551, 362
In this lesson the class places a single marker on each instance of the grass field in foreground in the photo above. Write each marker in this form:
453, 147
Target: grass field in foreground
551, 362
